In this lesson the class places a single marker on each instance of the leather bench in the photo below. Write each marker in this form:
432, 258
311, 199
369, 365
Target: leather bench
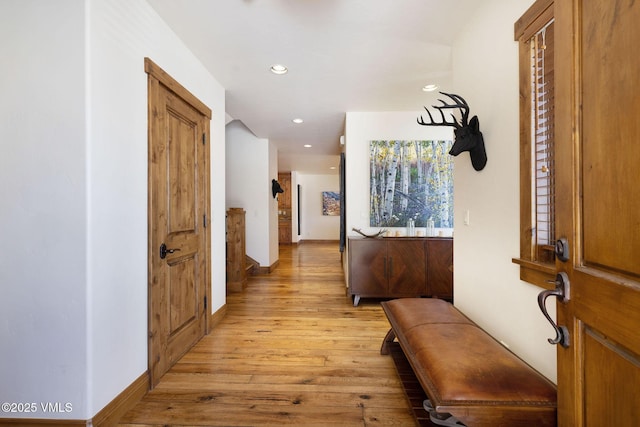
463, 370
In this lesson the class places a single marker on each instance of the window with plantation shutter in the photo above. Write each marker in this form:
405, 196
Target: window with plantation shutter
535, 35
542, 135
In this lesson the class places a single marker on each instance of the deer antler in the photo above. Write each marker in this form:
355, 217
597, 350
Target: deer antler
460, 104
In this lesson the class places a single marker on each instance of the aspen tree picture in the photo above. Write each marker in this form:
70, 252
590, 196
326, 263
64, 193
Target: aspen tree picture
411, 180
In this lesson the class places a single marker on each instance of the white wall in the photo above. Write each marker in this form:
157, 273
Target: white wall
249, 171
316, 226
247, 175
487, 285
74, 314
273, 205
361, 128
294, 207
43, 188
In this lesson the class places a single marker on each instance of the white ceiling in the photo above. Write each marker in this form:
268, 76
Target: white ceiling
342, 55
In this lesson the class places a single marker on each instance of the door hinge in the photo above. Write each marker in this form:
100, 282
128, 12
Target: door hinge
204, 220
204, 138
205, 302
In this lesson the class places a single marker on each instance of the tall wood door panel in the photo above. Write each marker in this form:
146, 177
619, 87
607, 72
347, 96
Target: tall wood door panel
178, 237
284, 199
285, 212
598, 205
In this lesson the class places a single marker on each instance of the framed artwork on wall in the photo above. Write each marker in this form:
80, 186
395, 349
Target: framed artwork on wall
411, 180
331, 203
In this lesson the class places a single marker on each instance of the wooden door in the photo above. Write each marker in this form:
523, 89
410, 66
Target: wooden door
284, 199
285, 213
178, 237
598, 210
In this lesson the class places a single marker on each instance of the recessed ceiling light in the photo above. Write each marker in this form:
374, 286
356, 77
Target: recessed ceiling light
429, 88
278, 69
332, 167
307, 145
297, 121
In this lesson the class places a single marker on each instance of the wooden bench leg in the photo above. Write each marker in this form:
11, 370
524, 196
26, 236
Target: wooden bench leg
388, 339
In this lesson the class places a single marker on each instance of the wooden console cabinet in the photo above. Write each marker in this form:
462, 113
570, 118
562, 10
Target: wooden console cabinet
400, 267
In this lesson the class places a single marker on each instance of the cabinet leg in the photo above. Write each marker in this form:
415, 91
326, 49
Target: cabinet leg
356, 300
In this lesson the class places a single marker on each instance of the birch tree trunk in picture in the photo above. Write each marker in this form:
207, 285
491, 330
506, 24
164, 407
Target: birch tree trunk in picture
390, 180
429, 156
411, 180
419, 164
374, 202
405, 175
446, 195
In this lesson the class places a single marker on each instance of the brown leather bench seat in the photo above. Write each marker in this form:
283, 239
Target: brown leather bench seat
464, 371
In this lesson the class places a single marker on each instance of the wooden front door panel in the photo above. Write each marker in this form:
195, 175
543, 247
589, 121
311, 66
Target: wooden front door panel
598, 200
178, 197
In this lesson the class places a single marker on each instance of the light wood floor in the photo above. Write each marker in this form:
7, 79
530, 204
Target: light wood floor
292, 350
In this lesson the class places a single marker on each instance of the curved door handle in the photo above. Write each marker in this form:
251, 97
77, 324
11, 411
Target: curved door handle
561, 291
164, 251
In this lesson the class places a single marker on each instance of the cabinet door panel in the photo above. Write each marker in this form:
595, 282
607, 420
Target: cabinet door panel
440, 268
406, 269
367, 267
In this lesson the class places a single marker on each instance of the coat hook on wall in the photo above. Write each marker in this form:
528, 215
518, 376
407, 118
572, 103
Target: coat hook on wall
275, 188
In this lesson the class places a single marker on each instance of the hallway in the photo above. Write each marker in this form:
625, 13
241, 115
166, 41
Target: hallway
291, 350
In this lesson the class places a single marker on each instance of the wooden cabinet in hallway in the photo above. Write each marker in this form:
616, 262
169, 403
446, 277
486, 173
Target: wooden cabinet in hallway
400, 267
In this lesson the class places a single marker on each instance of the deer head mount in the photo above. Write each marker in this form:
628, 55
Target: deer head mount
275, 188
467, 133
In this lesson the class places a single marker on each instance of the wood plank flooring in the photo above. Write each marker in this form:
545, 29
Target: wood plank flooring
291, 350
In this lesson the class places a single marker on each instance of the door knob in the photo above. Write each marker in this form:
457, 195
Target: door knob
562, 249
561, 291
164, 251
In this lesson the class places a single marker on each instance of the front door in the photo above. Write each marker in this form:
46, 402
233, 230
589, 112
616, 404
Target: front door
598, 210
178, 234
